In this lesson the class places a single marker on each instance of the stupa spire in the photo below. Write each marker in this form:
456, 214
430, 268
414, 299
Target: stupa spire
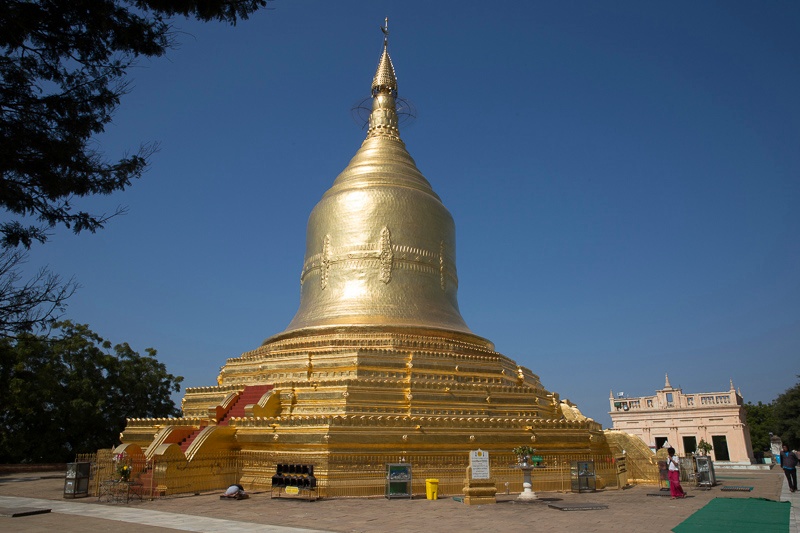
383, 120
385, 79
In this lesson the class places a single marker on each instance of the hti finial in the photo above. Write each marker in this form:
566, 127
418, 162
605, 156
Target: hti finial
385, 30
385, 79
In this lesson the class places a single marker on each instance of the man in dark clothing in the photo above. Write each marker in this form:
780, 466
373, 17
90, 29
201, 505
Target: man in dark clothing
789, 463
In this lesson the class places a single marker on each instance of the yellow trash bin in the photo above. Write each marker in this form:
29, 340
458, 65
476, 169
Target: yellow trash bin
432, 488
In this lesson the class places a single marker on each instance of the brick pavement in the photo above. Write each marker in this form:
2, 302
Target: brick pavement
630, 510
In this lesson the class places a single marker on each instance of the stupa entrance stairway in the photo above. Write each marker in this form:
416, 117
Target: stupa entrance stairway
205, 430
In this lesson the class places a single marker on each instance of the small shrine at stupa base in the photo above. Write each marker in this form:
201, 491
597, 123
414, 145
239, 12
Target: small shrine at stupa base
378, 365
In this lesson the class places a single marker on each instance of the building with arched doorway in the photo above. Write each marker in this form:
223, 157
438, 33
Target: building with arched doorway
681, 420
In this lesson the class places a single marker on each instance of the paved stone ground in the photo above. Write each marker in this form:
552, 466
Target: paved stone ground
631, 510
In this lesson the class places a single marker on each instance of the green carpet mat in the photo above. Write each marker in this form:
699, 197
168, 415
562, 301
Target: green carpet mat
738, 515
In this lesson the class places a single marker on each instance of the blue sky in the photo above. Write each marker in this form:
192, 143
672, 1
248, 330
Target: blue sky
624, 177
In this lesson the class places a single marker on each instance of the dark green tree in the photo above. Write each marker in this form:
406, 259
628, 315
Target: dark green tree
72, 392
761, 421
787, 416
63, 68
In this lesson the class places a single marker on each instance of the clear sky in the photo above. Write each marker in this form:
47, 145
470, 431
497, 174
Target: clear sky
624, 177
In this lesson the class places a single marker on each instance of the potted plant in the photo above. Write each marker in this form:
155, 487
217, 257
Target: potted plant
523, 454
123, 467
124, 472
703, 447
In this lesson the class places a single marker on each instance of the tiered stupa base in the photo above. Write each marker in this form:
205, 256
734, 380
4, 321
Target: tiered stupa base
386, 394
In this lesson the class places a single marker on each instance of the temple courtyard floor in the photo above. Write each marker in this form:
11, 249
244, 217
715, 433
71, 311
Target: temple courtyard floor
638, 508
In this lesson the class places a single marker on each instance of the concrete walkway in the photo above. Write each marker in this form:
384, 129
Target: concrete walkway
794, 497
101, 517
637, 509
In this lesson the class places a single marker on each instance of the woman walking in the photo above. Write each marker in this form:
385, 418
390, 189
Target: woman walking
675, 489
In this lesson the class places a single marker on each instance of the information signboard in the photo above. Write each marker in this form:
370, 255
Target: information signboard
479, 461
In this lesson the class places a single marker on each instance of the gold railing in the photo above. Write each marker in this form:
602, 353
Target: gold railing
352, 476
162, 477
201, 474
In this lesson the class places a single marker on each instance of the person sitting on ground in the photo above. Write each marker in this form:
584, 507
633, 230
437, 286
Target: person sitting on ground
236, 492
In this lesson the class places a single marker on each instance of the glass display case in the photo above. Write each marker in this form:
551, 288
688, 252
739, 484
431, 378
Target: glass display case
704, 471
687, 468
663, 475
76, 481
583, 478
398, 480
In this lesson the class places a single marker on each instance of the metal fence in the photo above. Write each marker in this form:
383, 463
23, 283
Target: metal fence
163, 477
354, 475
362, 476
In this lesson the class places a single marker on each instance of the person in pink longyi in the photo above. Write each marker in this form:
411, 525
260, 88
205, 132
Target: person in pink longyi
675, 489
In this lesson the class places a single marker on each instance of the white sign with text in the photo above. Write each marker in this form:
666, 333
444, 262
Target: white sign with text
479, 461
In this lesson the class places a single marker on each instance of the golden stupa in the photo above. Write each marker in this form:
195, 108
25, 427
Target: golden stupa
378, 360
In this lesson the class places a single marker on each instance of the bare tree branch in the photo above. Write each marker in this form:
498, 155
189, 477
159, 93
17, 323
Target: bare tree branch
33, 305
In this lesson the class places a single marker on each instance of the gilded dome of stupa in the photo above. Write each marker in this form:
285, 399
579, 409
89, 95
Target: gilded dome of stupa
380, 247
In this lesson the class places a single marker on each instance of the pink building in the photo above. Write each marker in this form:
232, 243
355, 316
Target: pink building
683, 420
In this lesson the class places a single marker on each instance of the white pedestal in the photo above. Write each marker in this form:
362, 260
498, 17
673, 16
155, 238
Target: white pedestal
527, 493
